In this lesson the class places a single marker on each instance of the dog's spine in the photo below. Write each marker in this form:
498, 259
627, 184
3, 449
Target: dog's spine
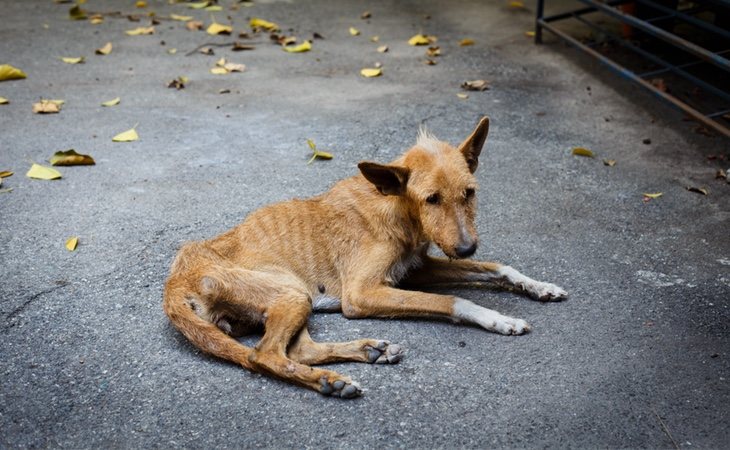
205, 335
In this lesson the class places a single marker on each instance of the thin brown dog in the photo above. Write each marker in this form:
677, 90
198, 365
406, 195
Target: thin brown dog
277, 266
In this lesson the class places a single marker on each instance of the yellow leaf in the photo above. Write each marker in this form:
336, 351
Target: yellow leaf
4, 101
71, 158
180, 18
172, 51
530, 33
112, 102
303, 47
420, 39
382, 49
214, 8
653, 195
517, 5
218, 71
78, 60
127, 136
261, 23
71, 243
47, 106
198, 5
580, 151
8, 72
354, 31
317, 153
462, 95
76, 13
375, 38
370, 73
221, 62
140, 31
465, 42
6, 173
96, 19
141, 4
217, 28
43, 173
105, 50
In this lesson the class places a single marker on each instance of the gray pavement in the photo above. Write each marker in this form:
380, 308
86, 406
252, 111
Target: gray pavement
638, 353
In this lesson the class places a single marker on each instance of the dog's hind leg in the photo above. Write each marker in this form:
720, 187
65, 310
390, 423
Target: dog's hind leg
440, 270
285, 318
306, 351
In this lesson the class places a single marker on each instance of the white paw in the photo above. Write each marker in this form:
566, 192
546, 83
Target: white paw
546, 292
511, 326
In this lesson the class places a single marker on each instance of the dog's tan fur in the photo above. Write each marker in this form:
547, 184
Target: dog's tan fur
346, 249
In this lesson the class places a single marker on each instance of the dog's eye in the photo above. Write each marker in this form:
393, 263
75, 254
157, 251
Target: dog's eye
433, 199
469, 193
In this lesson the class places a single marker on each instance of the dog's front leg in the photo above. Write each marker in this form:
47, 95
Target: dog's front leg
441, 270
387, 302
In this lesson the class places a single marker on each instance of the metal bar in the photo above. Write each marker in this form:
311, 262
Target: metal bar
687, 18
632, 76
579, 12
538, 18
681, 66
657, 60
719, 113
661, 34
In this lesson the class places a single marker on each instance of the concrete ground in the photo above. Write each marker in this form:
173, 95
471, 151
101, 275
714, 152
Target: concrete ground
637, 357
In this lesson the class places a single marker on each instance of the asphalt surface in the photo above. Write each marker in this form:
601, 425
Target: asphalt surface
637, 357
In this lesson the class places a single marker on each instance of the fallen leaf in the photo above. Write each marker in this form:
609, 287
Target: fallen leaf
370, 73
224, 91
475, 85
234, 67
217, 28
430, 62
516, 5
71, 158
47, 106
609, 162
172, 51
214, 8
433, 51
71, 243
140, 4
127, 136
76, 13
256, 22
419, 39
378, 65
198, 5
181, 18
8, 72
465, 42
530, 33
317, 153
96, 19
653, 195
221, 62
581, 151
383, 49
303, 47
4, 101
237, 47
316, 35
462, 95
702, 190
78, 60
719, 174
375, 39
354, 31
6, 174
112, 102
43, 173
141, 31
105, 50
178, 83
218, 71
206, 51
365, 15
194, 25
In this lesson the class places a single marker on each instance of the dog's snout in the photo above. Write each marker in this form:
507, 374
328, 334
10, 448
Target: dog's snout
466, 249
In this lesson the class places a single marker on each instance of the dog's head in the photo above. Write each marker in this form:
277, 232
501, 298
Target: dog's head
436, 182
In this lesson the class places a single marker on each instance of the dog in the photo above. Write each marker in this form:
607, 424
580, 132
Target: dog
350, 249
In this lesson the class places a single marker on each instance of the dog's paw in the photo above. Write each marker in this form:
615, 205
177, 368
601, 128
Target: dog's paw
339, 388
546, 292
511, 326
383, 352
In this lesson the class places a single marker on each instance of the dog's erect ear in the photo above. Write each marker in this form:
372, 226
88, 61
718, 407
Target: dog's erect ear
472, 146
389, 180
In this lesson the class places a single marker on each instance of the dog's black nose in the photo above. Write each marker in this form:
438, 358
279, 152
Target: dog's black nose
465, 250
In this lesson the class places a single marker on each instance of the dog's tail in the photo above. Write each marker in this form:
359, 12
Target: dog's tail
180, 304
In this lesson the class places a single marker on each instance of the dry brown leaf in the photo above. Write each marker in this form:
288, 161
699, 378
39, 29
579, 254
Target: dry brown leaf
609, 162
47, 106
105, 50
96, 19
178, 83
71, 158
383, 49
719, 174
433, 51
206, 51
366, 15
475, 85
430, 62
194, 25
582, 151
6, 173
237, 47
466, 41
700, 190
